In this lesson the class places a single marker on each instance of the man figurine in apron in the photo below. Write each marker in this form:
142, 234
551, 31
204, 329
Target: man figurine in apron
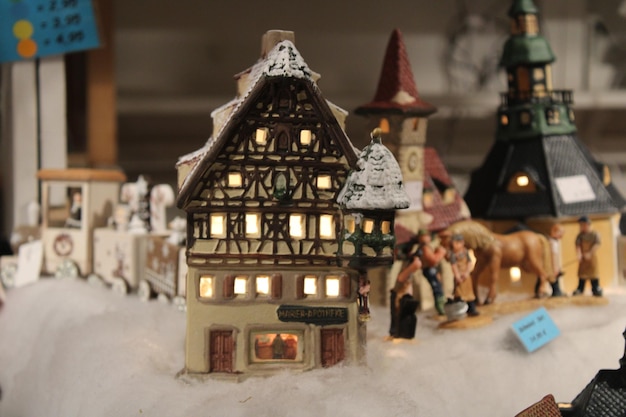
587, 244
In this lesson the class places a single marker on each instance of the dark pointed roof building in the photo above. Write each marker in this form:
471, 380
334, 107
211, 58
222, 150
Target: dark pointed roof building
537, 165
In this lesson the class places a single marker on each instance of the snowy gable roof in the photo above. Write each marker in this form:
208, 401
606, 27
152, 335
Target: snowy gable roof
377, 182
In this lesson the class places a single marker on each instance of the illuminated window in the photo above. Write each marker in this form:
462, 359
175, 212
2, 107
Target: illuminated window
234, 179
553, 116
571, 115
384, 125
241, 285
368, 226
504, 120
385, 227
350, 224
449, 196
324, 182
296, 225
521, 183
252, 225
262, 285
310, 285
206, 286
260, 136
332, 286
606, 175
428, 199
326, 226
515, 273
305, 137
218, 225
531, 24
276, 346
539, 74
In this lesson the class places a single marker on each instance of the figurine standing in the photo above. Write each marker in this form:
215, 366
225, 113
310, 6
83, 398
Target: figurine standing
587, 244
431, 260
402, 304
462, 268
554, 239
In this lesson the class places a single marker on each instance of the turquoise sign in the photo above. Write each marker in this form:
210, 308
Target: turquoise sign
37, 28
536, 329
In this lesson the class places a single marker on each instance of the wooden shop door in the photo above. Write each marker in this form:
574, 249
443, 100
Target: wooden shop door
332, 347
221, 351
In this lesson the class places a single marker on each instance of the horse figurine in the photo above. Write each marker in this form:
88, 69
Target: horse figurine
525, 249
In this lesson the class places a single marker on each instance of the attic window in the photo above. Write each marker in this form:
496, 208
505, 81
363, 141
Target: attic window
324, 182
305, 137
326, 226
218, 225
261, 135
234, 179
521, 182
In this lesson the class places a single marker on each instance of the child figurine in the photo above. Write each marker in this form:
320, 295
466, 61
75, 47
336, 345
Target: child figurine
462, 267
587, 244
431, 260
75, 211
402, 304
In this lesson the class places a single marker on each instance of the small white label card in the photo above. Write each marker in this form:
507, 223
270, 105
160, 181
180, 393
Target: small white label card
575, 189
536, 329
29, 262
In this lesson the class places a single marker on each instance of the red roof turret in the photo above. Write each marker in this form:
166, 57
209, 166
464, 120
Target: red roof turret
396, 91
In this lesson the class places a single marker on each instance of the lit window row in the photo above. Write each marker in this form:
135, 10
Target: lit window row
261, 136
553, 117
297, 226
367, 225
235, 180
245, 287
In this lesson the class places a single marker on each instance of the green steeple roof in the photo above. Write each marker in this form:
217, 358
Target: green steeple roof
524, 49
523, 7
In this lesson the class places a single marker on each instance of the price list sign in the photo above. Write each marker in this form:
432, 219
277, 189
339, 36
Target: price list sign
36, 28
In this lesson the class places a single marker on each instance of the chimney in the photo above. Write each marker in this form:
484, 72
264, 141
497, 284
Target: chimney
272, 37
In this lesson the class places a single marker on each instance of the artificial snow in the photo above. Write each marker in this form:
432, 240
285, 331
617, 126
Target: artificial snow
70, 349
284, 60
376, 183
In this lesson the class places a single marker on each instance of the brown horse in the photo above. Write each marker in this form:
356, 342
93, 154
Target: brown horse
525, 249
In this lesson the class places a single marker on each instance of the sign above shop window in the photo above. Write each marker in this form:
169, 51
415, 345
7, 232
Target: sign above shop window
312, 315
36, 28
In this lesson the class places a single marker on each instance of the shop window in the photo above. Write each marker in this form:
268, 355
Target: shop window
326, 227
218, 225
310, 285
260, 136
252, 225
235, 180
296, 226
305, 137
324, 182
206, 286
262, 285
276, 346
240, 285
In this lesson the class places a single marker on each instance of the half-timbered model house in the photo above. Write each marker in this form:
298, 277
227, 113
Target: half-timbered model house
267, 286
538, 171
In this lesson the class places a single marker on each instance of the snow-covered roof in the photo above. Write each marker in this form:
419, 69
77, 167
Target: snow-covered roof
377, 183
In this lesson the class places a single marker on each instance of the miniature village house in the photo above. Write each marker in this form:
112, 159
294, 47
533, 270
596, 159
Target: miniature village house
275, 265
538, 171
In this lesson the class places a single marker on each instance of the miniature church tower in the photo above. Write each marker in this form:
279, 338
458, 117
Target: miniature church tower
284, 218
402, 116
538, 168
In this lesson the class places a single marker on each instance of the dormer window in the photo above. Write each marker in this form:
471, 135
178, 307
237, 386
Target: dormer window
261, 135
521, 182
324, 182
235, 179
305, 137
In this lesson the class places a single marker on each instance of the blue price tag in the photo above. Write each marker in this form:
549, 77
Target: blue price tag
536, 329
36, 28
